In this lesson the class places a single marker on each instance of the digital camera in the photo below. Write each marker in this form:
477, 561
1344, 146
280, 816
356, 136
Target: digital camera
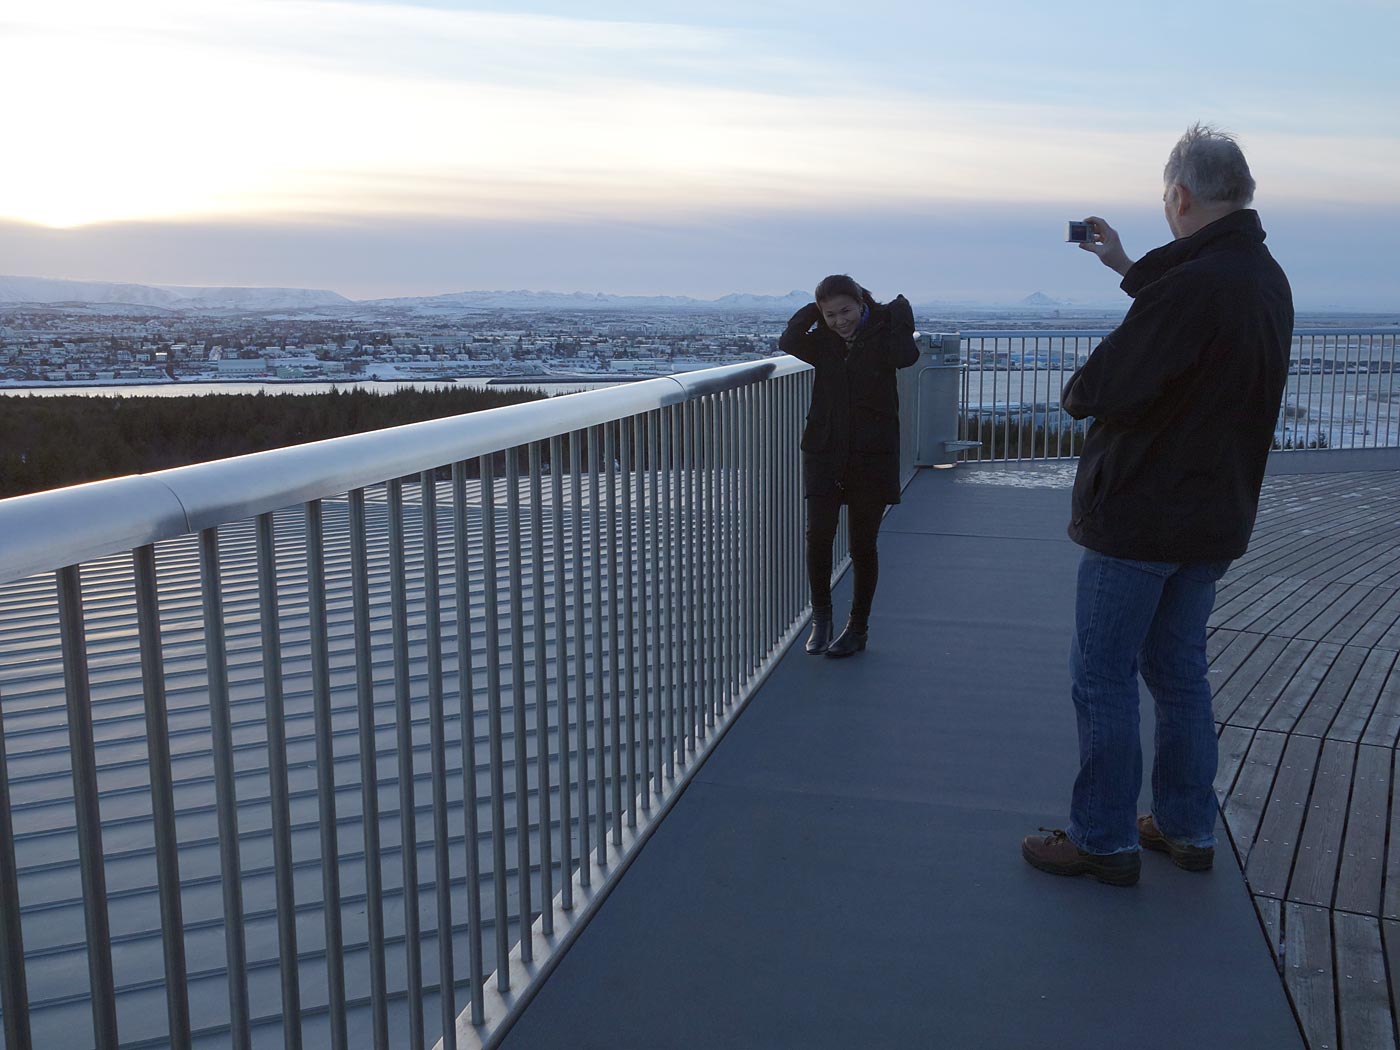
1079, 232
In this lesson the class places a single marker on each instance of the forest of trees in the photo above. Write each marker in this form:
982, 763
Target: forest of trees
48, 442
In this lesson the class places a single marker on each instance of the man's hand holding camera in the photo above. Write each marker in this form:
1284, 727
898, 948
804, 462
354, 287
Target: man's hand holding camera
1096, 235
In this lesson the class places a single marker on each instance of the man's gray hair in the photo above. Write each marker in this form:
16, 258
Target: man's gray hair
1211, 165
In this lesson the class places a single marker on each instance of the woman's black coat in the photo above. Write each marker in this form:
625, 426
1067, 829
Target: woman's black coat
850, 446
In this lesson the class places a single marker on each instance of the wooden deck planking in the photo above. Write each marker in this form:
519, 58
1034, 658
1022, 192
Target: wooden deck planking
1296, 611
1346, 615
1290, 702
1382, 620
1270, 607
1383, 728
1244, 809
1261, 697
1270, 913
1360, 879
1226, 653
1363, 993
1390, 941
1234, 745
1307, 973
1390, 903
1334, 691
1230, 602
1326, 608
1270, 862
1348, 629
1314, 878
1303, 652
1359, 704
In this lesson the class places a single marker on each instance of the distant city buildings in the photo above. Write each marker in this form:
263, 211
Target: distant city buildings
42, 345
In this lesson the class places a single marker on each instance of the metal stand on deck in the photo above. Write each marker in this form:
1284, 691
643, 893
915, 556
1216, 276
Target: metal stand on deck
937, 384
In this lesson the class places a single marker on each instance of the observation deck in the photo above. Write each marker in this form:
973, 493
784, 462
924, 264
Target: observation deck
554, 640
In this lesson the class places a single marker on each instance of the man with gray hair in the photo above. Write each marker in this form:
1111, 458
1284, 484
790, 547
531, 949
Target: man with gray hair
1184, 396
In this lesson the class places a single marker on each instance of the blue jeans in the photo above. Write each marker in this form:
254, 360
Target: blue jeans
1148, 617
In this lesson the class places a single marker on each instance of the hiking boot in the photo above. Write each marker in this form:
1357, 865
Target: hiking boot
1184, 855
1055, 853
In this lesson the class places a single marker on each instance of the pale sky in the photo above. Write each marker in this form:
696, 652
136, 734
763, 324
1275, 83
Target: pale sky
395, 148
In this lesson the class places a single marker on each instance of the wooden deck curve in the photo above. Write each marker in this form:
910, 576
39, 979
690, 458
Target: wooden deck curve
1304, 644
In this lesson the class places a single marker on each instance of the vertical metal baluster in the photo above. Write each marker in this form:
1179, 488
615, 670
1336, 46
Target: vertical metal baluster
758, 546
694, 626
85, 799
14, 988
666, 540
519, 728
1313, 379
1308, 410
600, 755
1349, 385
965, 409
1367, 400
542, 750
629, 691
325, 771
800, 597
225, 793
369, 769
403, 723
1054, 391
797, 601
711, 577
685, 633
172, 924
766, 531
641, 434
658, 595
437, 729
585, 832
1390, 386
466, 700
792, 507
614, 635
739, 536
685, 622
780, 509
749, 533
495, 729
731, 550
705, 552
561, 675
275, 714
1332, 394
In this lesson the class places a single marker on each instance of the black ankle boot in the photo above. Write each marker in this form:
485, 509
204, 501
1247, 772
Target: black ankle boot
820, 637
851, 640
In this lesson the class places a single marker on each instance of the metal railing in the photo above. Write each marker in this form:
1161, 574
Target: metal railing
1343, 392
315, 741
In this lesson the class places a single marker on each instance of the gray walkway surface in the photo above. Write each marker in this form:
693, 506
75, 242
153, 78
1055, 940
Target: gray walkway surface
845, 870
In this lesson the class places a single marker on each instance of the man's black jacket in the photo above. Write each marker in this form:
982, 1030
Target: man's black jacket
1185, 396
850, 445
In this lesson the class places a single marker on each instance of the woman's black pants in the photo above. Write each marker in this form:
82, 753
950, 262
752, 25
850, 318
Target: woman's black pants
862, 526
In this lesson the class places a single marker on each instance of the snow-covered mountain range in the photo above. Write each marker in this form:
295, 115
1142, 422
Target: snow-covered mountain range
100, 296
166, 297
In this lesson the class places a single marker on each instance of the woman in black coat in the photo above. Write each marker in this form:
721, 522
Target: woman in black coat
850, 446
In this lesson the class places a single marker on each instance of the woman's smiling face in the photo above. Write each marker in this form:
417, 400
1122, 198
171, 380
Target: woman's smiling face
842, 314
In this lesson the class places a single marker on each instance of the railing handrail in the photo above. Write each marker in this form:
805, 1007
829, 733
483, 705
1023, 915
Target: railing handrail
119, 514
1099, 333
